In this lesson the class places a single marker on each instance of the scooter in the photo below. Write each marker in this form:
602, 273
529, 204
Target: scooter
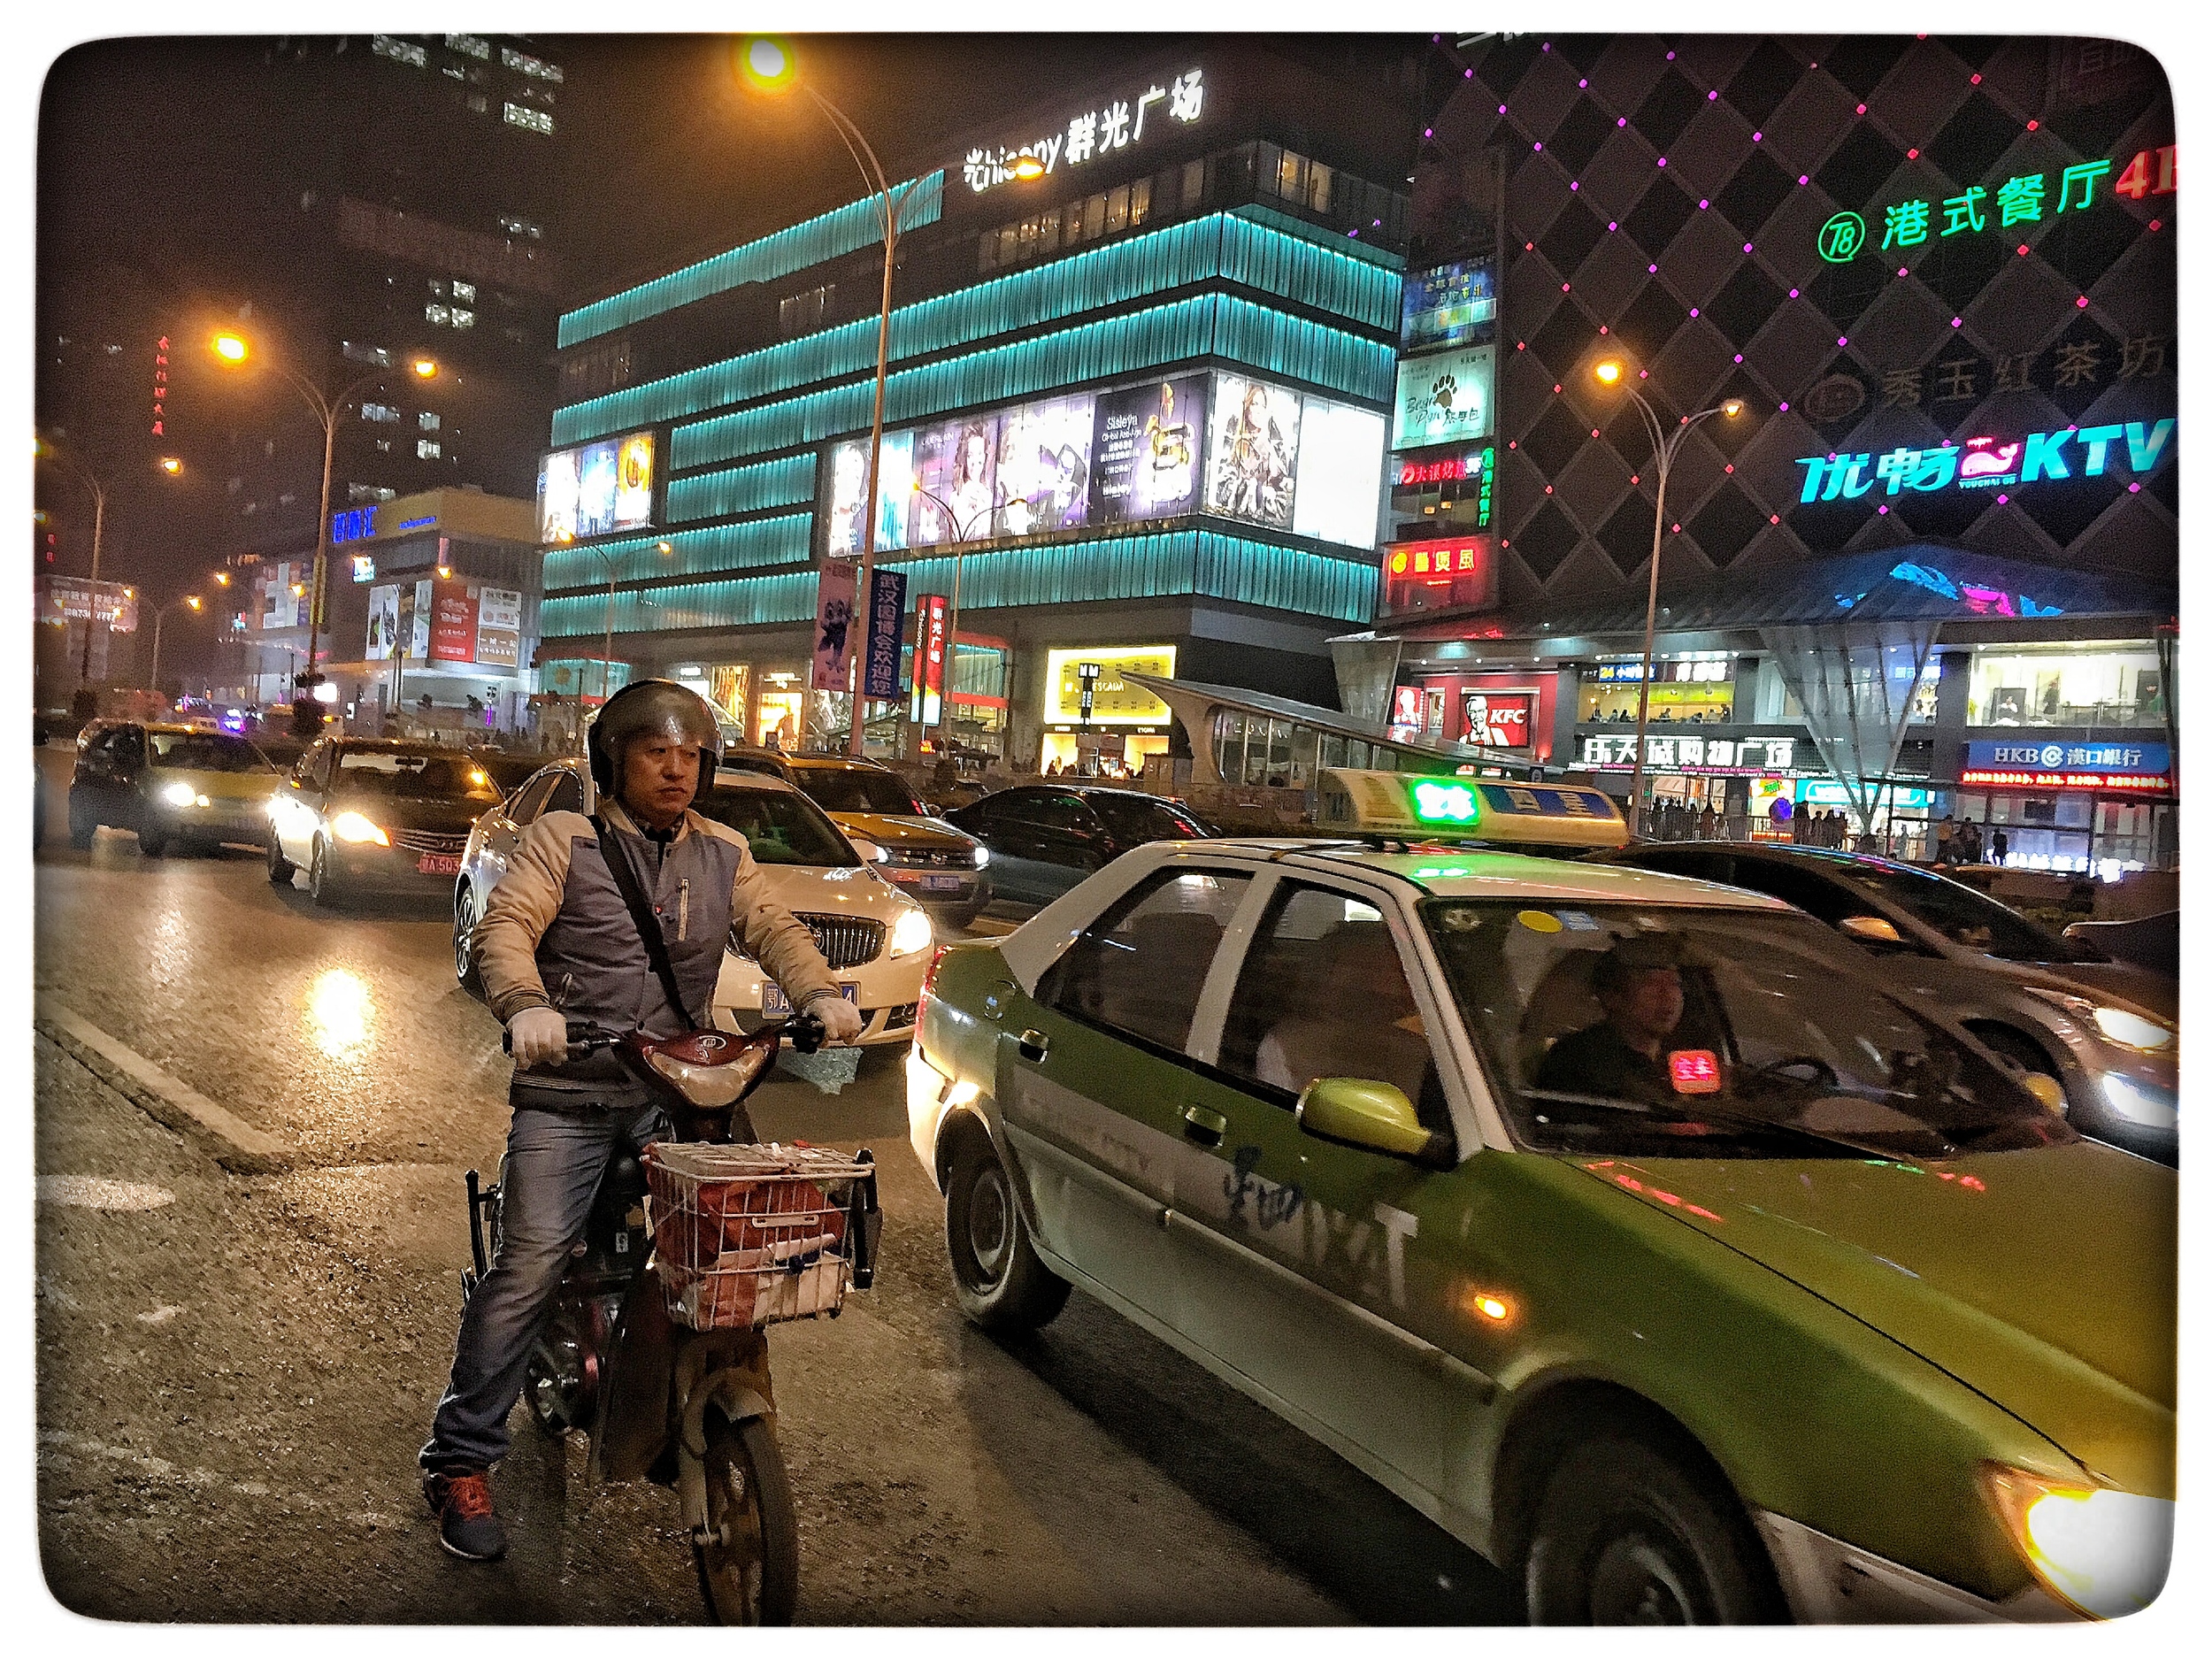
689, 1408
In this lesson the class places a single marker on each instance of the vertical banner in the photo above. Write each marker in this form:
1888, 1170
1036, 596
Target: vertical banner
833, 627
926, 707
453, 622
418, 618
384, 635
886, 615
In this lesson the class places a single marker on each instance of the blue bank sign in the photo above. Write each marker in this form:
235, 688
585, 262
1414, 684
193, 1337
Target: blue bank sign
2060, 757
2133, 445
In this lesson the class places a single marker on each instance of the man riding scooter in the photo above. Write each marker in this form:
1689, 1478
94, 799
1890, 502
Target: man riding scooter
559, 940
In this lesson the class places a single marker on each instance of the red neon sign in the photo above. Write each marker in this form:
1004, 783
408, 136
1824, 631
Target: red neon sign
2025, 780
1444, 472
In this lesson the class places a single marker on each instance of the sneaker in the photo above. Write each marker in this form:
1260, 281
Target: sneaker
463, 1504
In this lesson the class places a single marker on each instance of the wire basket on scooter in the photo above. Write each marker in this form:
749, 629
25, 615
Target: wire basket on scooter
747, 1235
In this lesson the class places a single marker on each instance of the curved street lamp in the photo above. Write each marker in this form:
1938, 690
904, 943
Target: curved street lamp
959, 561
161, 612
1612, 374
606, 648
766, 65
235, 349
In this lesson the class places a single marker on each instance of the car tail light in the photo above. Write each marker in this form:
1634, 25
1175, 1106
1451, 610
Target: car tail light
929, 985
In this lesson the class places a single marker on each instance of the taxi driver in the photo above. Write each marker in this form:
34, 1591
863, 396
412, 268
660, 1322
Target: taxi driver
1624, 1057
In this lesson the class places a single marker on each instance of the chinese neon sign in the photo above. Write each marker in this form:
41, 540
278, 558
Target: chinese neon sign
2027, 198
1476, 468
1096, 132
1989, 462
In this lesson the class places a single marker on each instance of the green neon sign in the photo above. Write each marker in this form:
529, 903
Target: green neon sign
1842, 237
1444, 803
2019, 200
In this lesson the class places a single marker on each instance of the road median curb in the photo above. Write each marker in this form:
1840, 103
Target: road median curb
234, 1143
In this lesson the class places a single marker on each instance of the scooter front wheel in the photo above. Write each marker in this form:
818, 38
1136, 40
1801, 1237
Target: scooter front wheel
748, 1554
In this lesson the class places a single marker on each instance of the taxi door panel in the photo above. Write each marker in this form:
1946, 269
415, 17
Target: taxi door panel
1302, 1263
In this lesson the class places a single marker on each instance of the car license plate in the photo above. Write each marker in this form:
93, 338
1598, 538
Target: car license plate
941, 884
439, 863
775, 1005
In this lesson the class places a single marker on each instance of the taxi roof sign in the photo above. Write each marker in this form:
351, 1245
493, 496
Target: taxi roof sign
1412, 806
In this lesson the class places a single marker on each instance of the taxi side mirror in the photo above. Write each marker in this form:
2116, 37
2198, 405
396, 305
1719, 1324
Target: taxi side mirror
1357, 1111
1871, 930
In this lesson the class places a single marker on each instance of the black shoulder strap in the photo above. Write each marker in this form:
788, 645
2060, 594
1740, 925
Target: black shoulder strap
649, 928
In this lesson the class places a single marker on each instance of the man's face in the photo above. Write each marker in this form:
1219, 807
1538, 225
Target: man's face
659, 777
1648, 1006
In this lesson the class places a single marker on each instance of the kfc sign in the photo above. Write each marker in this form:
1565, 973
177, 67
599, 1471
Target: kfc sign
1498, 720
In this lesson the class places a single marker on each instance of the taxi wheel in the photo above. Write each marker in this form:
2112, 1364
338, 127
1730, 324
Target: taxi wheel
996, 1277
1626, 1536
322, 886
153, 842
465, 920
280, 867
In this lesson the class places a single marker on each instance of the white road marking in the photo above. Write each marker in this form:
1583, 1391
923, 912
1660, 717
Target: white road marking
162, 1315
96, 1192
169, 1100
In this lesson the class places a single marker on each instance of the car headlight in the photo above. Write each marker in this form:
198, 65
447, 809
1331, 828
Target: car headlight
2103, 1551
178, 794
911, 933
982, 855
2140, 1102
2131, 1031
351, 826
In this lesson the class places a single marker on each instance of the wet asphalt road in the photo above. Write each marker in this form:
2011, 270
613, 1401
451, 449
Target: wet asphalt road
236, 1371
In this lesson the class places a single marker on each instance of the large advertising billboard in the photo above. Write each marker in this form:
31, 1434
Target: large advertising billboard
1148, 459
1252, 459
1339, 473
1044, 465
1445, 398
849, 495
595, 489
1448, 305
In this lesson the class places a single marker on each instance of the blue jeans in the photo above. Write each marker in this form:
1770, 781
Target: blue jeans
554, 1160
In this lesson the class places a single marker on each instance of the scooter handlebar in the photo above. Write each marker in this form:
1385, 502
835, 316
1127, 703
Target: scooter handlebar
802, 1032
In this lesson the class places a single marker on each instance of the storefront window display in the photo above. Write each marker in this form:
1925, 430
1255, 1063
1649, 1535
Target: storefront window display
1698, 690
2084, 685
782, 713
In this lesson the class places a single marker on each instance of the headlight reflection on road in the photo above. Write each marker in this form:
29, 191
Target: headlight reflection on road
339, 1006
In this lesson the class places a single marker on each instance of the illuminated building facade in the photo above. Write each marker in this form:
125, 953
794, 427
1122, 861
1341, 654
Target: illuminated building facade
1136, 414
1940, 273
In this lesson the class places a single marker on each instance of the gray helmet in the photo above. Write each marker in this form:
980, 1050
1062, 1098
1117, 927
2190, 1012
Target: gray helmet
655, 707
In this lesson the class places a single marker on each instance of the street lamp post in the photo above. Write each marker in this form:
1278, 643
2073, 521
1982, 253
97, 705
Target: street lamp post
39, 446
768, 66
235, 348
161, 614
952, 618
1612, 374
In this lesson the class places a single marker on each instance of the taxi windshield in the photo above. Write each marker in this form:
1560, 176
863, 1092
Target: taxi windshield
416, 774
1667, 1032
858, 789
203, 751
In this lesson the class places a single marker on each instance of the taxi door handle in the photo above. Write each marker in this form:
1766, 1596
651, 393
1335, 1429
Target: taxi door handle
1203, 1127
1034, 1045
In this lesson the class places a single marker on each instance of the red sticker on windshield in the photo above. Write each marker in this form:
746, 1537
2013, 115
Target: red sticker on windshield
1695, 1071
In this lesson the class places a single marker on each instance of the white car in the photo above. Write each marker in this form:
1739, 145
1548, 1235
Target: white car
878, 941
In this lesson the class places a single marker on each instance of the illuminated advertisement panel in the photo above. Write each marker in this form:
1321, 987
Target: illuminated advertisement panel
956, 471
1115, 700
1147, 461
848, 493
1451, 305
1499, 719
1445, 398
1252, 458
926, 707
1339, 473
1044, 467
595, 489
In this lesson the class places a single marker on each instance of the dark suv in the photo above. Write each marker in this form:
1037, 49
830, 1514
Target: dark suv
1044, 838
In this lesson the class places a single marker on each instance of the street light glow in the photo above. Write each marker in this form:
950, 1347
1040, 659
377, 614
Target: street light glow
172, 465
766, 64
1027, 167
1732, 408
230, 347
426, 368
192, 600
1608, 370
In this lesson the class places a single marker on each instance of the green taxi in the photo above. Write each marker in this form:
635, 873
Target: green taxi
1622, 1223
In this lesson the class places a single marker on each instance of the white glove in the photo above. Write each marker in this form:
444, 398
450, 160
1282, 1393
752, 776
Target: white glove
537, 1036
840, 1019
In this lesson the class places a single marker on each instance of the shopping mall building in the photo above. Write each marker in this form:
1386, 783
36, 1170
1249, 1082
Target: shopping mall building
1142, 364
1932, 567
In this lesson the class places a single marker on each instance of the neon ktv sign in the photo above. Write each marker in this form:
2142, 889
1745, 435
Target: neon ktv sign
1096, 132
1989, 462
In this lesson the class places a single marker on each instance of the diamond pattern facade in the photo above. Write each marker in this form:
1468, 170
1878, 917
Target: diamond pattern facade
1668, 195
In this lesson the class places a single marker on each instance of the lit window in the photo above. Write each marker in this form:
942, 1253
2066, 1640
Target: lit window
428, 421
537, 69
533, 120
471, 44
360, 353
437, 287
384, 446
464, 319
428, 449
402, 52
520, 228
436, 313
465, 290
378, 412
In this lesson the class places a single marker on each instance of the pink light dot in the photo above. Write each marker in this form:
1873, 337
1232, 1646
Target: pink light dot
1583, 84
1604, 329
1563, 287
1746, 247
1574, 184
1901, 269
2023, 251
2033, 124
1725, 468
1784, 407
1774, 518
1620, 120
2001, 500
1739, 357
1862, 109
1520, 345
1555, 386
2082, 303
1594, 432
1643, 374
1675, 529
1502, 109
1912, 154
1843, 340
1711, 96
1670, 57
1804, 178
1756, 137
1956, 322
1663, 161
1693, 310
1512, 443
1547, 487
1702, 203
1792, 293
1540, 143
2154, 223
1613, 224
1470, 75
1973, 81
1653, 269
1547, 46
1428, 132
2135, 489
1528, 247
